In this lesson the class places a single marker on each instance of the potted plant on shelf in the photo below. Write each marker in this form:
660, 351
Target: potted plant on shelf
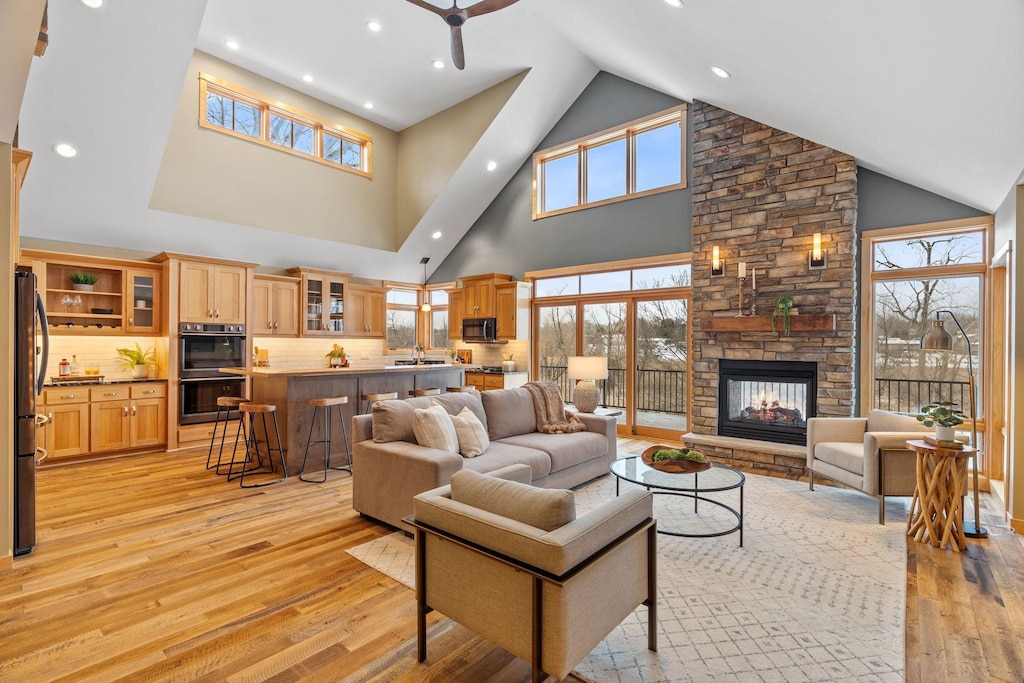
136, 360
336, 357
782, 310
944, 417
84, 282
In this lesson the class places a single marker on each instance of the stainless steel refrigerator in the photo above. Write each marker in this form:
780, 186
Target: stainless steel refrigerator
31, 348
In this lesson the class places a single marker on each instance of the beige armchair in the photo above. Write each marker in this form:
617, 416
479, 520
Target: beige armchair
869, 453
512, 562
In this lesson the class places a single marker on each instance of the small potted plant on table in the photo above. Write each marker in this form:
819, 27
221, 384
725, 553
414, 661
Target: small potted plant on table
136, 361
944, 416
84, 282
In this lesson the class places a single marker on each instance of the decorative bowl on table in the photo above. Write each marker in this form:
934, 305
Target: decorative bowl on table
673, 465
102, 311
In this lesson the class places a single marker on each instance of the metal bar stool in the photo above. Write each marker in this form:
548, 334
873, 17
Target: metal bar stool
459, 389
432, 391
327, 404
225, 404
368, 399
251, 439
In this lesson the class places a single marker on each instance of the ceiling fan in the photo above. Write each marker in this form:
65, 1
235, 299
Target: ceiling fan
455, 17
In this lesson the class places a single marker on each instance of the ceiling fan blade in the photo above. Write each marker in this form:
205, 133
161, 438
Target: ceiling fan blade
458, 54
427, 6
487, 6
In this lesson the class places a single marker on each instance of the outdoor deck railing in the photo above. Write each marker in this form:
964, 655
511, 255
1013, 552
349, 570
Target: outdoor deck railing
910, 395
662, 391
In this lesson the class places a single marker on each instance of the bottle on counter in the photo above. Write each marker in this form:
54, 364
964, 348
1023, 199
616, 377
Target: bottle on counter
64, 367
74, 365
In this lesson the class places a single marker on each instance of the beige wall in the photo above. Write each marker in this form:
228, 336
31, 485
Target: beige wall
430, 152
208, 174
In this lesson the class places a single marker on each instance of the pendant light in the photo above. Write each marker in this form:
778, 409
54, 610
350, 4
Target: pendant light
426, 301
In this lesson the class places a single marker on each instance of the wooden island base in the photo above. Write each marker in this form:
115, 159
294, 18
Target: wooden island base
290, 389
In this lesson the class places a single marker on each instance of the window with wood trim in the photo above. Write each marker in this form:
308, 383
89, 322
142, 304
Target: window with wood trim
640, 158
231, 109
401, 324
437, 338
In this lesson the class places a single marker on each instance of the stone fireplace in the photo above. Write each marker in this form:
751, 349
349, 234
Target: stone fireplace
760, 194
766, 400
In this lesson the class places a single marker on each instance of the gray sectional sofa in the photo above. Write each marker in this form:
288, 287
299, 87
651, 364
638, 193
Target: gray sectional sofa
389, 467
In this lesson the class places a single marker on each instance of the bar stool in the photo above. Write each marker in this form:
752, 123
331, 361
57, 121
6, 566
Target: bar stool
251, 439
432, 391
326, 404
368, 399
225, 404
459, 389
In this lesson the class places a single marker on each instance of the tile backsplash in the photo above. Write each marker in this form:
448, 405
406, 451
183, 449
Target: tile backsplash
101, 352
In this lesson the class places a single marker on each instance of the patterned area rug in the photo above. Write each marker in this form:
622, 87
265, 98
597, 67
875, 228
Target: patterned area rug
817, 593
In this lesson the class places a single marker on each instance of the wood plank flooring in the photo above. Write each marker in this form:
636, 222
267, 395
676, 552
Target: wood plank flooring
152, 568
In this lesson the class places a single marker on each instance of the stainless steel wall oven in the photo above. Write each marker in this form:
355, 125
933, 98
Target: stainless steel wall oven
204, 349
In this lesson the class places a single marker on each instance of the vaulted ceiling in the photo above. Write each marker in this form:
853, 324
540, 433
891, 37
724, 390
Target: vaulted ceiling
930, 92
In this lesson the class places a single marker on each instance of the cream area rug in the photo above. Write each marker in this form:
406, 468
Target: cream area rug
817, 593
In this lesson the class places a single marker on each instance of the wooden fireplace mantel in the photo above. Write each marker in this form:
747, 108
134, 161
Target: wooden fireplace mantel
763, 323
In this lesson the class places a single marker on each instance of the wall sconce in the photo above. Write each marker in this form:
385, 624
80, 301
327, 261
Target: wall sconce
817, 258
717, 263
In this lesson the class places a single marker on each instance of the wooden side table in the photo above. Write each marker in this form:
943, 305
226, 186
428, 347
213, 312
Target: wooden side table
937, 510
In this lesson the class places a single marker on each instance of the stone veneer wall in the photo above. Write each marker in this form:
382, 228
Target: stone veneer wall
760, 194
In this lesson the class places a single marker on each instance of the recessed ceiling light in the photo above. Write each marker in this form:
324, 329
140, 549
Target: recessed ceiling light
674, 3
307, 78
232, 44
368, 105
491, 165
373, 26
437, 235
720, 72
437, 64
92, 4
65, 149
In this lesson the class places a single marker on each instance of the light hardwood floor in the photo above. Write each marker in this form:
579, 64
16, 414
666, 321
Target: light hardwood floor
151, 568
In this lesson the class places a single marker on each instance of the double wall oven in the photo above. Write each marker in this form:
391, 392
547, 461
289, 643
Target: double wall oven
204, 349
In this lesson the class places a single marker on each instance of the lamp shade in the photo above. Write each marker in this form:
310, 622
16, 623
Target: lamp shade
588, 367
937, 338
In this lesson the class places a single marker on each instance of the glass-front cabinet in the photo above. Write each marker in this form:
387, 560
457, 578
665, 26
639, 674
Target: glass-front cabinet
143, 305
323, 302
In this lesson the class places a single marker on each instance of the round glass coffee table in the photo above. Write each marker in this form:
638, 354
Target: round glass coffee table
717, 478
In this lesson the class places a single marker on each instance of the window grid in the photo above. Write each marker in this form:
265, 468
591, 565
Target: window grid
332, 145
580, 148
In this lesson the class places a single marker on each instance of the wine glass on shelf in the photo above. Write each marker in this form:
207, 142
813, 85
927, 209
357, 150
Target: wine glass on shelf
67, 301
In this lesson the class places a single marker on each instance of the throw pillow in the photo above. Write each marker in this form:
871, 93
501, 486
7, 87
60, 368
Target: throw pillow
546, 509
434, 429
471, 432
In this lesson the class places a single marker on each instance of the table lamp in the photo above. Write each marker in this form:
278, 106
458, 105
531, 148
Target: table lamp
938, 338
586, 369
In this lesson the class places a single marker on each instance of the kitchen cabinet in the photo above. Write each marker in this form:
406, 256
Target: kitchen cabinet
148, 415
211, 292
478, 294
487, 381
365, 309
455, 308
323, 302
512, 310
142, 289
67, 432
275, 308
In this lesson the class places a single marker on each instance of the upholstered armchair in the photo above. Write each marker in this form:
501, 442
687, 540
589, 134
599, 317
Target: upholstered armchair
869, 453
512, 562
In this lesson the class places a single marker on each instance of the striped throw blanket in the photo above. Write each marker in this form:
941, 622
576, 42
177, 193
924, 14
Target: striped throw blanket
550, 408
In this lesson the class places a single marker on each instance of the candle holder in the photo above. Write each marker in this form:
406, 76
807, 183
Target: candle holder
742, 310
753, 298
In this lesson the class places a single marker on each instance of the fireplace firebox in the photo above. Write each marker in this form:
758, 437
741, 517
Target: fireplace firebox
766, 400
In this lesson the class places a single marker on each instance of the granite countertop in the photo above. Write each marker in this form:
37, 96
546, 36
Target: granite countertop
86, 381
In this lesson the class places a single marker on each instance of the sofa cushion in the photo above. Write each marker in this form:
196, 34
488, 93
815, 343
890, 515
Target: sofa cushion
884, 421
392, 420
509, 412
471, 432
843, 454
456, 401
434, 428
504, 454
565, 450
546, 509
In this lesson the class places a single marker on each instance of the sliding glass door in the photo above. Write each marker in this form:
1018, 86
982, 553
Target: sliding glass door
661, 351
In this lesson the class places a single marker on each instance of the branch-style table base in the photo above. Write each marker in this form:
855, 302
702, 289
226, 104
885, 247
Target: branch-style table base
937, 509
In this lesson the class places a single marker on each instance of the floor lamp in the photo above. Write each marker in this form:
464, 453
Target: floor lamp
939, 339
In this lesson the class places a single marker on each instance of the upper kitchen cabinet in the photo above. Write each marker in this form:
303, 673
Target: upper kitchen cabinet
91, 295
210, 292
478, 294
512, 310
491, 296
365, 311
275, 306
323, 302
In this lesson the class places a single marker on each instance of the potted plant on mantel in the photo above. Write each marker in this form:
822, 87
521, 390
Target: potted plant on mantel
136, 361
782, 310
83, 282
944, 417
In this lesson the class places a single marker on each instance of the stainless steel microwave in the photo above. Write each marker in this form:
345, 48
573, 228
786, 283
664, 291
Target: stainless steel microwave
480, 330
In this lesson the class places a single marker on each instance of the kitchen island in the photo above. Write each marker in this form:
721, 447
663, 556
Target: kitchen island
289, 389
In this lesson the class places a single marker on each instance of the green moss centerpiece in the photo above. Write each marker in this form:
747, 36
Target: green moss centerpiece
677, 460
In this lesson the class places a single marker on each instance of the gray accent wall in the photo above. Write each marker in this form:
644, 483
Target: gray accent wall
506, 239
885, 202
